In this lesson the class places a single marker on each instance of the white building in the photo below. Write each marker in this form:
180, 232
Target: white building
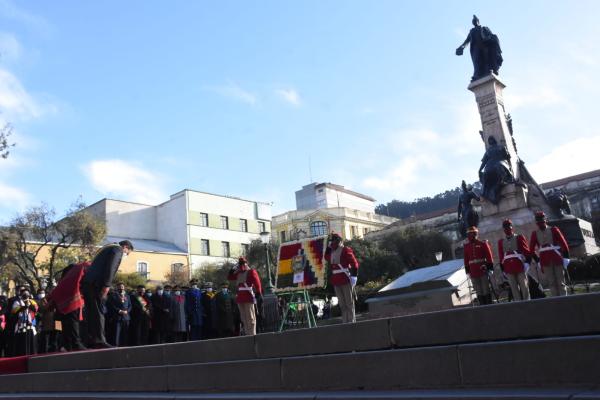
322, 208
328, 195
210, 228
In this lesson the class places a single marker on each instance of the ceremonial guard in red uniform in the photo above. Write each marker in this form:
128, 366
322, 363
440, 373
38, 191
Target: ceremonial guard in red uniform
344, 272
478, 260
513, 253
249, 294
553, 253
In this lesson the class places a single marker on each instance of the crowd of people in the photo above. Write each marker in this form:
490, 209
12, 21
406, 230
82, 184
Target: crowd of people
547, 247
85, 310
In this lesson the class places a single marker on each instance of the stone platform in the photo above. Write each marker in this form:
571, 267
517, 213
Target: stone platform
545, 348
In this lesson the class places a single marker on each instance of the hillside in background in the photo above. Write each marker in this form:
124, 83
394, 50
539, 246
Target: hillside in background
441, 201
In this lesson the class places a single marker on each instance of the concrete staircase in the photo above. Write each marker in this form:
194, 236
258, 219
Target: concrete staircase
540, 349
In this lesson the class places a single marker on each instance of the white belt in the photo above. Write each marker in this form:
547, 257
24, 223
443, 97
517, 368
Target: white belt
247, 288
550, 248
341, 270
514, 255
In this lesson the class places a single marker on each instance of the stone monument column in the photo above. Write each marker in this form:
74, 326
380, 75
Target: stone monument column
490, 102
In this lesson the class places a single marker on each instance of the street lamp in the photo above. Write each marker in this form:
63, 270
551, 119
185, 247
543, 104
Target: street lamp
438, 256
265, 238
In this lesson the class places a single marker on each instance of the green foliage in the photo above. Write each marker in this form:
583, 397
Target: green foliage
377, 265
131, 280
417, 247
215, 273
405, 209
397, 254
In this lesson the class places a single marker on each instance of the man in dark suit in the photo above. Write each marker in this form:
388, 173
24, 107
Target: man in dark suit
95, 286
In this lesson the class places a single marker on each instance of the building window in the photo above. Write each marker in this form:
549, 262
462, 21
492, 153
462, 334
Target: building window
176, 268
365, 231
204, 247
225, 246
261, 227
353, 231
142, 269
243, 225
318, 228
282, 236
245, 249
224, 222
203, 219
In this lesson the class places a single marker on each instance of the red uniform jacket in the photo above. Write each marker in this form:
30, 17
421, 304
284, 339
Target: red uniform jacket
551, 244
341, 268
248, 285
513, 255
477, 254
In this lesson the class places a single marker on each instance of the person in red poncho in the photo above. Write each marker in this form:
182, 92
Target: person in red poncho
513, 253
553, 253
68, 301
249, 294
344, 271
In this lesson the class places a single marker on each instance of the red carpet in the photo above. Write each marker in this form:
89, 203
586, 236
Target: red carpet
13, 365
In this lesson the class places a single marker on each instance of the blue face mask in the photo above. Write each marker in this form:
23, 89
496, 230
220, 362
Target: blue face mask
224, 291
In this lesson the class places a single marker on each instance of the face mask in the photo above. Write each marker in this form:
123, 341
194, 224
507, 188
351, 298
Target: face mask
122, 291
124, 256
194, 286
41, 295
159, 292
149, 294
167, 292
209, 290
224, 291
177, 293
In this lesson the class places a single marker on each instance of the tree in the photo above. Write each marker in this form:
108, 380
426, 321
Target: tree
405, 209
376, 265
39, 246
214, 273
416, 247
178, 277
257, 257
131, 280
5, 132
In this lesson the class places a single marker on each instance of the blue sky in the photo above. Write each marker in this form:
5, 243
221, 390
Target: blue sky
137, 100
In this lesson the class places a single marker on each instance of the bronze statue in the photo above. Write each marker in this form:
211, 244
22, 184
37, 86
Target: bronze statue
485, 50
495, 170
559, 202
467, 216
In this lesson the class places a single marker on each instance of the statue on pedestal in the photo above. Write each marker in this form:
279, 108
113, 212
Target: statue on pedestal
559, 202
485, 50
467, 216
495, 171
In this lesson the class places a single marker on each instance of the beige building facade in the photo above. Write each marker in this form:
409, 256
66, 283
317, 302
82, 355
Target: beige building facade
323, 208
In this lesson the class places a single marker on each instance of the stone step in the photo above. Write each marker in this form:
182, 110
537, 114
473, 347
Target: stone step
535, 363
551, 317
449, 394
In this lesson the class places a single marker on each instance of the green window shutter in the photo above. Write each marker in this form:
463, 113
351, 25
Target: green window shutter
253, 226
235, 249
194, 218
195, 246
214, 221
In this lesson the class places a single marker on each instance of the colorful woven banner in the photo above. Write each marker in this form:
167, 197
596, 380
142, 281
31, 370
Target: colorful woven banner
301, 264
